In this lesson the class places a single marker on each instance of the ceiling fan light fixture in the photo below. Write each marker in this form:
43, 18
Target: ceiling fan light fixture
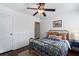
40, 11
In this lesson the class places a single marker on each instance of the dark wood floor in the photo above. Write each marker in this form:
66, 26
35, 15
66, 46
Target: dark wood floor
15, 52
73, 53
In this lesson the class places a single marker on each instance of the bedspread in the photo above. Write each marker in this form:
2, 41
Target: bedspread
50, 47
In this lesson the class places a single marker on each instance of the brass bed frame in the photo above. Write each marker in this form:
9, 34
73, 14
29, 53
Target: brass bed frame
38, 53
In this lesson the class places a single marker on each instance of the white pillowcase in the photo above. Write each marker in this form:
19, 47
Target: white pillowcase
59, 37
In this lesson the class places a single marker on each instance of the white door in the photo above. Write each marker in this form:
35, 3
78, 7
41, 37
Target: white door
5, 33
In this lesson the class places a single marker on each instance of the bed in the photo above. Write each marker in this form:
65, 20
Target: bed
51, 45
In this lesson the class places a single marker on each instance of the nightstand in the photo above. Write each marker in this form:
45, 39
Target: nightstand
75, 45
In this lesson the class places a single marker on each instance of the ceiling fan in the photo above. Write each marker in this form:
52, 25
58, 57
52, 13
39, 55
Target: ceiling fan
41, 9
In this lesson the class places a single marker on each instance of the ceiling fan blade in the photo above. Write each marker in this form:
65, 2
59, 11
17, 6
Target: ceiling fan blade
32, 8
50, 9
44, 14
35, 13
41, 4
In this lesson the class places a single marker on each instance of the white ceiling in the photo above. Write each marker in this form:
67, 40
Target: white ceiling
60, 7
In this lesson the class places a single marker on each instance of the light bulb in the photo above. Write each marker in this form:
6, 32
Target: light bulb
40, 11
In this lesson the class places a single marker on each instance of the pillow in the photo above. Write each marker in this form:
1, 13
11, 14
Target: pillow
52, 36
62, 36
52, 33
59, 37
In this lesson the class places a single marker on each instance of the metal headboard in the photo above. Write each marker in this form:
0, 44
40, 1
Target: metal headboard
61, 31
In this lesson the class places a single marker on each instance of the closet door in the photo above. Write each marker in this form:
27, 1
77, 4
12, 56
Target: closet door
5, 33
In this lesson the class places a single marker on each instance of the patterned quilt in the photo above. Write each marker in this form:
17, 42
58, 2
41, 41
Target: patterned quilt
50, 47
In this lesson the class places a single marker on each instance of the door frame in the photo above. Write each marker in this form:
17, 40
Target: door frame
35, 27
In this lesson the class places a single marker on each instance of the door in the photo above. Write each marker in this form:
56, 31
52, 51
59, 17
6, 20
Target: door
5, 33
37, 30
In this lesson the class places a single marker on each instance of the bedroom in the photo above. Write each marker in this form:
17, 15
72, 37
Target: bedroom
19, 26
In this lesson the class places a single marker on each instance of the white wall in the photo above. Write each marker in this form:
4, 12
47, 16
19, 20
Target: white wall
69, 16
22, 26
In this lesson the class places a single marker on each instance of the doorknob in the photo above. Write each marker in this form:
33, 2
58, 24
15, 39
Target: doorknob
11, 34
